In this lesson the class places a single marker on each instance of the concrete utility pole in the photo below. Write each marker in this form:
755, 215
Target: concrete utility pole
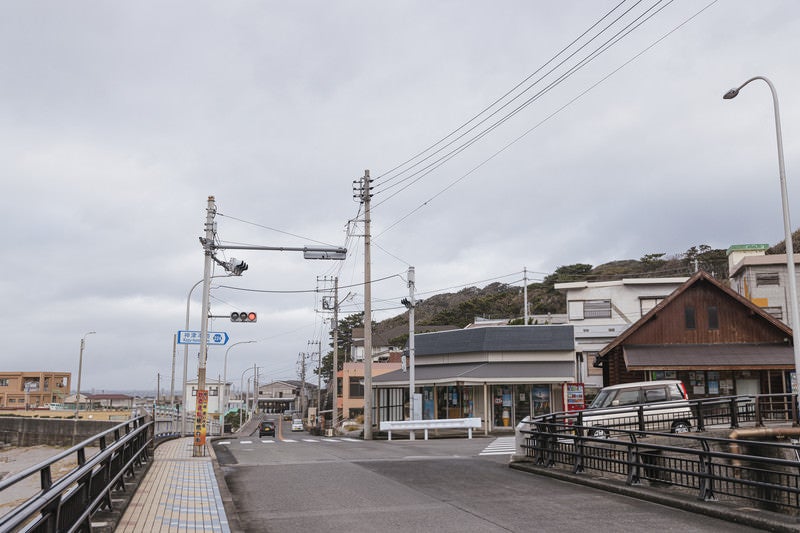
366, 195
200, 417
172, 378
335, 371
303, 392
411, 385
525, 297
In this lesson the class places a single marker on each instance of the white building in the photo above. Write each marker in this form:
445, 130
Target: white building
599, 311
213, 387
761, 278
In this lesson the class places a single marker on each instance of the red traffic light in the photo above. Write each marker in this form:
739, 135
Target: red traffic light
244, 316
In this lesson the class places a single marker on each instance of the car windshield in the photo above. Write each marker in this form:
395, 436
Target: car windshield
602, 400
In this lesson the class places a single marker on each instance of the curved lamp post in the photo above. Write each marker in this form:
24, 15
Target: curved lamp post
78, 394
787, 226
224, 405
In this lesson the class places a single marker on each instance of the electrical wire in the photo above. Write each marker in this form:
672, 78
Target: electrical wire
546, 119
427, 170
498, 100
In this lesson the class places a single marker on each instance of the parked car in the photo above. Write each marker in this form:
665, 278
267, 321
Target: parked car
664, 405
288, 414
267, 427
297, 425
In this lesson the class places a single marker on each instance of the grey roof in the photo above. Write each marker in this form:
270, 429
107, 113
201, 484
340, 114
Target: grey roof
686, 356
511, 372
496, 339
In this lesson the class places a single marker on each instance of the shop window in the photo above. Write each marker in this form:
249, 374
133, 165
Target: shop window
713, 317
689, 317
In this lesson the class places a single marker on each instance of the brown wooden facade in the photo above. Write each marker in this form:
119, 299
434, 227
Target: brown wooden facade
710, 337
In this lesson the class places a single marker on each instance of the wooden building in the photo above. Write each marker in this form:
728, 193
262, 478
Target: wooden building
710, 337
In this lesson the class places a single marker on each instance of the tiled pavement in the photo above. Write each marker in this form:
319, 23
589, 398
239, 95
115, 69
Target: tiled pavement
179, 493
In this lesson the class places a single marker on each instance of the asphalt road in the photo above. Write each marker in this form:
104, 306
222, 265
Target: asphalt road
299, 483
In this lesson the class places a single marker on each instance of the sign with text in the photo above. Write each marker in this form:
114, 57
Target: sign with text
193, 337
200, 418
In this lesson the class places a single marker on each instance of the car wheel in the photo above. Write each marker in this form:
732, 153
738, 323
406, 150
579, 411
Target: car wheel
681, 427
599, 433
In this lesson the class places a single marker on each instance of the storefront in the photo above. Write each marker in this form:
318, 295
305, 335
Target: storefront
500, 405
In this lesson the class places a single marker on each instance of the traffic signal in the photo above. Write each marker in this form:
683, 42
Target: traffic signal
244, 316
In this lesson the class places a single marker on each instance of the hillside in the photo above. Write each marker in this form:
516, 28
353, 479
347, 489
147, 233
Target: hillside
499, 300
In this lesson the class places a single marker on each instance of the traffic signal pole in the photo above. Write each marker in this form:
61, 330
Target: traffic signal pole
200, 411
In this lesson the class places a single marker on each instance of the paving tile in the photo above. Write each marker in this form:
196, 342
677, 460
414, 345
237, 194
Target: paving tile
179, 493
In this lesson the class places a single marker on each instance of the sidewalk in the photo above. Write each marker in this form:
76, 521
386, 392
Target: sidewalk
179, 493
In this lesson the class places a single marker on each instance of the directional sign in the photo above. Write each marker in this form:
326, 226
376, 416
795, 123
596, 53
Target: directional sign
217, 338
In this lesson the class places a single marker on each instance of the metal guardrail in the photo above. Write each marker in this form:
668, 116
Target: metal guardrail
749, 467
68, 503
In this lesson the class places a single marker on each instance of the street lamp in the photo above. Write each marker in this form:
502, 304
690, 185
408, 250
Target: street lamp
787, 226
224, 404
78, 395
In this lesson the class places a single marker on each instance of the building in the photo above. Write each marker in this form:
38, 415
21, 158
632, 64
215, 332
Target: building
710, 337
351, 386
214, 401
500, 374
600, 311
285, 395
20, 390
761, 278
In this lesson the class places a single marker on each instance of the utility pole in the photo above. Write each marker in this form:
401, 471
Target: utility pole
303, 393
364, 193
412, 404
172, 381
202, 394
335, 371
525, 292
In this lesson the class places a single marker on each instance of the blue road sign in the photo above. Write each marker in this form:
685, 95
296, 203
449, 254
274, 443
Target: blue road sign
217, 338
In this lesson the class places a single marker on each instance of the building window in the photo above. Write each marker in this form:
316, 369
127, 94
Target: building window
688, 313
3, 382
356, 389
646, 303
767, 278
575, 310
713, 317
597, 309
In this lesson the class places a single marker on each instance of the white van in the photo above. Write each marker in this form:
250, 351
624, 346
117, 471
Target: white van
664, 405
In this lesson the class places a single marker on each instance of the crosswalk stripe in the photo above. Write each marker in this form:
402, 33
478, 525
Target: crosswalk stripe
310, 440
500, 446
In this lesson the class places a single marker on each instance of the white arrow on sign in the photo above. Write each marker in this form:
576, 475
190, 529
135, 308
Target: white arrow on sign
217, 338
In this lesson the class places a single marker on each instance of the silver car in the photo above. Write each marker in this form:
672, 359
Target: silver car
664, 406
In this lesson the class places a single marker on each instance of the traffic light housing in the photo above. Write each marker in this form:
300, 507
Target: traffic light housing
244, 316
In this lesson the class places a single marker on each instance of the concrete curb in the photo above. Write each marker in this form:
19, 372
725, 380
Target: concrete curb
745, 515
225, 494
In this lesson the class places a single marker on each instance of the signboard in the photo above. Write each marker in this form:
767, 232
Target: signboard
200, 418
193, 337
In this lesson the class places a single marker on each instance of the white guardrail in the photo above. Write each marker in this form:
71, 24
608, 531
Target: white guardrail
447, 423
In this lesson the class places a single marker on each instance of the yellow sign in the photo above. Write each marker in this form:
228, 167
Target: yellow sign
201, 411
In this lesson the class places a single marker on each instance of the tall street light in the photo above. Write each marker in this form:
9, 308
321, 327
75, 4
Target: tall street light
224, 405
787, 226
78, 395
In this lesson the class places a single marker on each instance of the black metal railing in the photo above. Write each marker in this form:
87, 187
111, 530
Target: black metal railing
752, 466
68, 503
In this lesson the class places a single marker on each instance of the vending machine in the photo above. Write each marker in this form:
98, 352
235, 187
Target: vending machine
574, 399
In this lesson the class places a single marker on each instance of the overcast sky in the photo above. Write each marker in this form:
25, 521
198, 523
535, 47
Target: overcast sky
119, 119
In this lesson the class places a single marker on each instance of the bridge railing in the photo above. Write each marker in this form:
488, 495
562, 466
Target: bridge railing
68, 503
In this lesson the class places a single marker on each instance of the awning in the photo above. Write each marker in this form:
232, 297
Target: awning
479, 373
709, 357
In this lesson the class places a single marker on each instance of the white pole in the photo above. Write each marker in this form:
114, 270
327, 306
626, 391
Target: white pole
525, 297
199, 440
787, 226
78, 394
411, 375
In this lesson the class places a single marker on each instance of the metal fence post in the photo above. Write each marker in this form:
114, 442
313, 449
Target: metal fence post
706, 474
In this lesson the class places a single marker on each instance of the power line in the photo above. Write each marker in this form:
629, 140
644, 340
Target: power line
540, 123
